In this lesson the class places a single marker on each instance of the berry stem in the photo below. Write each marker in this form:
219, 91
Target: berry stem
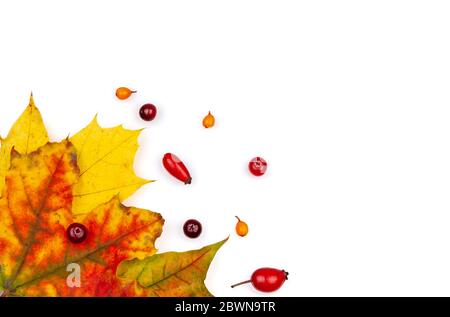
241, 283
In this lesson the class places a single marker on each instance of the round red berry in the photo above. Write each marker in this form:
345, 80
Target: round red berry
192, 228
148, 112
257, 166
77, 233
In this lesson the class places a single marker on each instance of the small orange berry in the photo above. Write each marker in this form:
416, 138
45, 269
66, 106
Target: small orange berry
241, 228
124, 93
209, 120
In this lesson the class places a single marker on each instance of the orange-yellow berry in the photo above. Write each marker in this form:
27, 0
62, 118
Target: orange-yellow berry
209, 120
124, 93
241, 228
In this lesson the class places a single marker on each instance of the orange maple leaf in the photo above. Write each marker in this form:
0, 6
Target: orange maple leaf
35, 212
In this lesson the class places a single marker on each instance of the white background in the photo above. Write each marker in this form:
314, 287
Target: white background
348, 101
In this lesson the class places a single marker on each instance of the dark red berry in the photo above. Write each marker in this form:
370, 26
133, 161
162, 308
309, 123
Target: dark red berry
266, 279
148, 112
77, 233
257, 166
192, 228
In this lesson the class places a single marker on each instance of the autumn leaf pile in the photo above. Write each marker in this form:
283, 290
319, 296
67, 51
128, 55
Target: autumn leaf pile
45, 186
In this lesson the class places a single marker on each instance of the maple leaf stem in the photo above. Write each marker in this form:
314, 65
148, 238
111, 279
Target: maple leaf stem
7, 293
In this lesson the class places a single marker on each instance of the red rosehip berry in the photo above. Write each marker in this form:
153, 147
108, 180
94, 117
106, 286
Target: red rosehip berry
257, 166
266, 279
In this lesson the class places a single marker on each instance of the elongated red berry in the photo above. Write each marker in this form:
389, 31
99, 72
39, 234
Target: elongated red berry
266, 279
77, 233
176, 168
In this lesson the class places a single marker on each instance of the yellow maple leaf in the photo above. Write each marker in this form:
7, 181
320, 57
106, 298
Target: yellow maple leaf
26, 135
105, 158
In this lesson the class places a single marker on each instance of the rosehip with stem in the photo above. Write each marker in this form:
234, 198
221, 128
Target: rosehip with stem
209, 120
124, 93
266, 279
241, 227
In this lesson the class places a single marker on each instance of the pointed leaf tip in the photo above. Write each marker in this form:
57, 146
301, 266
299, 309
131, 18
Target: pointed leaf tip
26, 135
31, 102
